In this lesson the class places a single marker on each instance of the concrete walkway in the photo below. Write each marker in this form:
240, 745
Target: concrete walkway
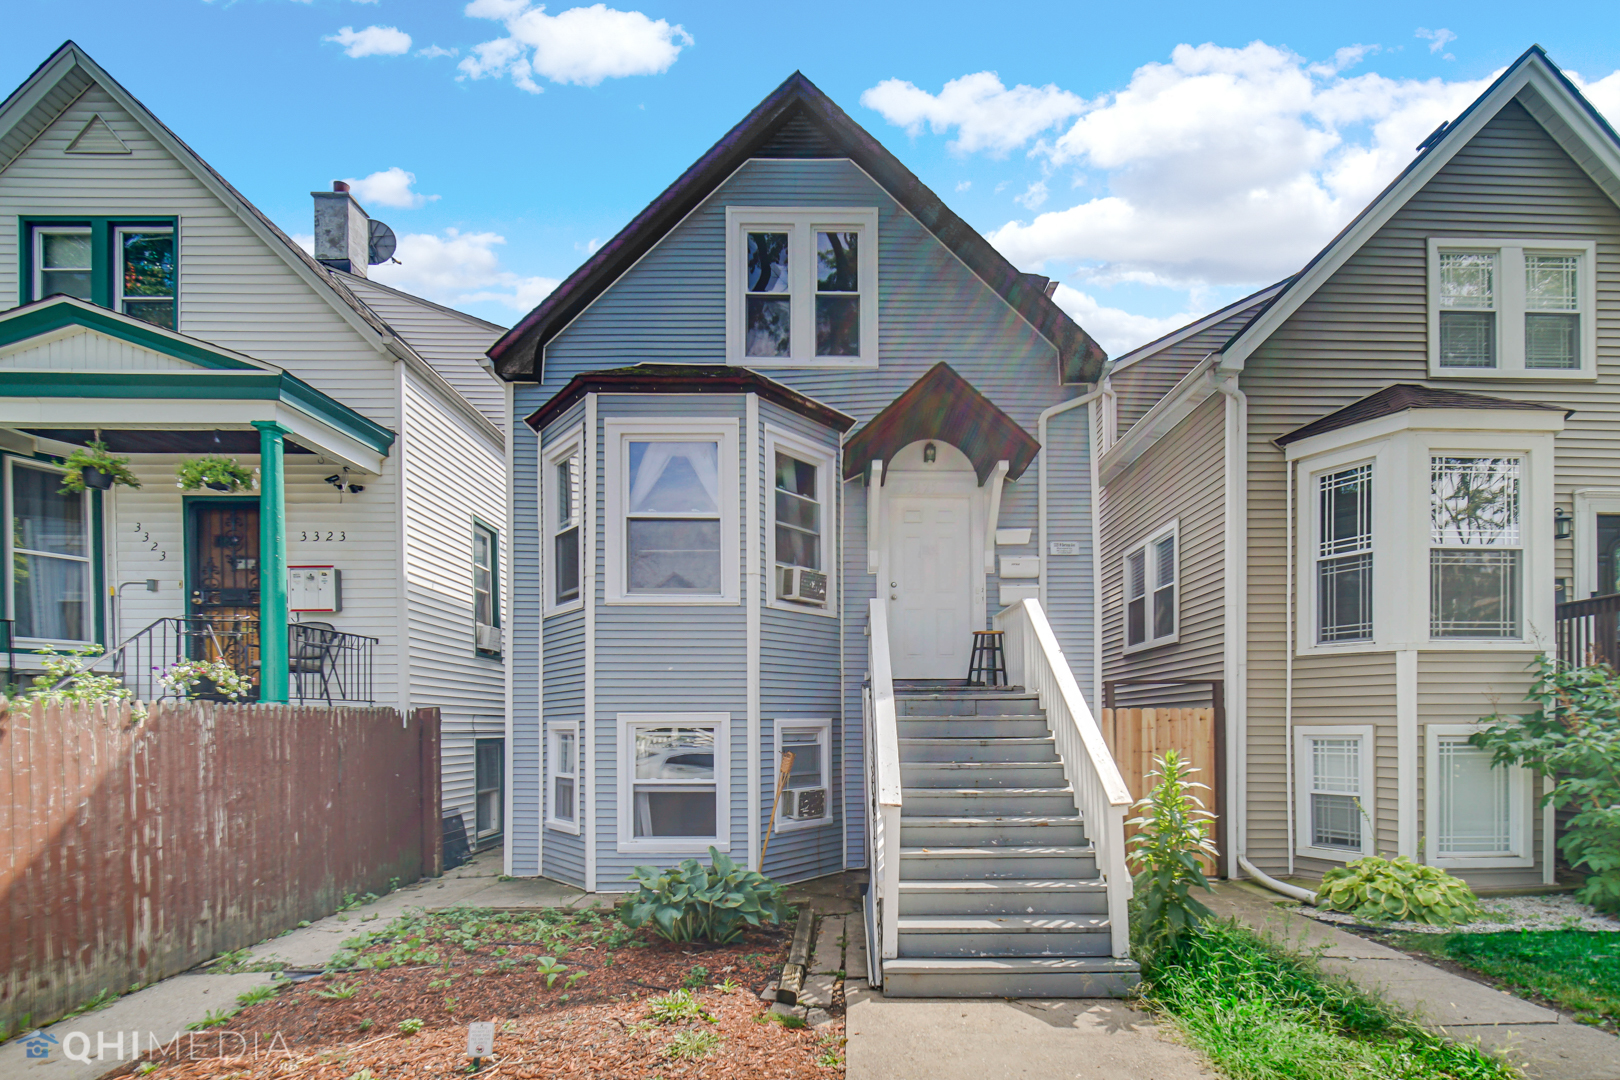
1546, 1045
161, 1012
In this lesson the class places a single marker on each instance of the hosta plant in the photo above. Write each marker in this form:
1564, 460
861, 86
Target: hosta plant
1398, 890
1175, 830
214, 471
693, 902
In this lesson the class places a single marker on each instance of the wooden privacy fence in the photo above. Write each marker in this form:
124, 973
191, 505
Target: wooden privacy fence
1137, 736
132, 851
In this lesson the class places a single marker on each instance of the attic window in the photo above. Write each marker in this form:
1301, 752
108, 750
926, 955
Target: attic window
130, 267
1511, 309
801, 286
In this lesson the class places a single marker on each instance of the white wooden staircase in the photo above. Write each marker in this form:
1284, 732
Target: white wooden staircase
999, 884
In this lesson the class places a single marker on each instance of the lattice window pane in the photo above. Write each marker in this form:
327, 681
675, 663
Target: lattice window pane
1474, 593
1475, 800
1550, 282
1468, 279
1344, 598
1468, 339
1474, 501
1335, 788
1552, 341
1346, 505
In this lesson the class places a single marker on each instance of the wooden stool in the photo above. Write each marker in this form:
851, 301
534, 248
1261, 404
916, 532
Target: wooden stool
988, 666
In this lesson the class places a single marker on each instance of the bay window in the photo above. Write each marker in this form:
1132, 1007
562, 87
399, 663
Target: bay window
801, 286
1344, 556
1475, 556
673, 781
563, 495
51, 574
800, 523
1511, 308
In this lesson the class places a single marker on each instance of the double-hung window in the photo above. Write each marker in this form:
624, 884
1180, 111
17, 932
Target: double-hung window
672, 506
1344, 555
1476, 557
1511, 308
565, 511
486, 589
1150, 590
490, 784
562, 806
128, 267
51, 587
801, 286
800, 521
673, 784
1477, 812
806, 797
1334, 785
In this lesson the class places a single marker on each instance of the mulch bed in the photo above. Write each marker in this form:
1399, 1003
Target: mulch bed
448, 969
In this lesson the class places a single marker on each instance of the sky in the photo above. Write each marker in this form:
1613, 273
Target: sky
1159, 161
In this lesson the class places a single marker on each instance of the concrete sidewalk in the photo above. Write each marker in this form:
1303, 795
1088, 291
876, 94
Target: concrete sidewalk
162, 1011
1545, 1044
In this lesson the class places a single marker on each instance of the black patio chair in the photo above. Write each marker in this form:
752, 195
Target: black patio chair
312, 652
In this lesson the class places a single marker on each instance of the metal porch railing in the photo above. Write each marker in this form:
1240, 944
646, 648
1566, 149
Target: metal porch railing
1586, 630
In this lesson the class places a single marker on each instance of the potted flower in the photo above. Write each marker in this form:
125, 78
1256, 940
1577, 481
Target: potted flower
94, 466
213, 471
191, 679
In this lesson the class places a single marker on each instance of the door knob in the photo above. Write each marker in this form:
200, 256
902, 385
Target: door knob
894, 584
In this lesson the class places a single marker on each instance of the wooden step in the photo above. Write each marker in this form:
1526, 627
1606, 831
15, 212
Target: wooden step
1010, 977
1026, 896
967, 749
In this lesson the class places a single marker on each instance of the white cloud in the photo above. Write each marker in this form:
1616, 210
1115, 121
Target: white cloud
435, 50
1604, 94
582, 45
459, 268
963, 185
1116, 330
390, 187
373, 41
1033, 196
305, 241
589, 247
985, 114
1437, 39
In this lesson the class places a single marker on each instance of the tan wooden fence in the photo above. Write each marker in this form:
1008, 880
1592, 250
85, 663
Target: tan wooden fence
132, 851
1137, 736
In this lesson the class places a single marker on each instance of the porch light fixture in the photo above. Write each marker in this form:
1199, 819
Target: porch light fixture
930, 452
1563, 524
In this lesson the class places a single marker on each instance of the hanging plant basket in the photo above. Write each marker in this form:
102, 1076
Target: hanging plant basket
215, 472
94, 466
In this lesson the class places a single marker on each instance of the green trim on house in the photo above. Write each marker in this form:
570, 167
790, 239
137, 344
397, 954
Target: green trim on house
255, 385
101, 252
47, 318
273, 644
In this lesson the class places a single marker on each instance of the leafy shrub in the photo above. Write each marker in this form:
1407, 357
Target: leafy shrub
95, 455
214, 471
1174, 832
1375, 888
1575, 741
697, 903
68, 680
182, 678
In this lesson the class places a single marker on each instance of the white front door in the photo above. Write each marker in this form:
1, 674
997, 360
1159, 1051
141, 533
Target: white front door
929, 575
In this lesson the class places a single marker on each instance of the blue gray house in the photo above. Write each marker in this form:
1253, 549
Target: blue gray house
780, 449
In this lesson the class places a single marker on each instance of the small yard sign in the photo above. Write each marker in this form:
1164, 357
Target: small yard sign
481, 1040
1063, 547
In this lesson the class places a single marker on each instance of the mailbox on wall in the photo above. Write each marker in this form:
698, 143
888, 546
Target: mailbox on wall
314, 588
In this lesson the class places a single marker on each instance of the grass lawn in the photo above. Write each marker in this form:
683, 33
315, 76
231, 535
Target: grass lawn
1576, 970
1261, 1013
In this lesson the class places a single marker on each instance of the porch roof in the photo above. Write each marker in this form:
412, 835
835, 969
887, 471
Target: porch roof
207, 388
686, 379
945, 407
1399, 398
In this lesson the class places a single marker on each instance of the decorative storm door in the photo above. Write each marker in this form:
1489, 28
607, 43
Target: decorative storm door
223, 572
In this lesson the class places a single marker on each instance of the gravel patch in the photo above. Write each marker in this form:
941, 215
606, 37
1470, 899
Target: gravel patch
1557, 912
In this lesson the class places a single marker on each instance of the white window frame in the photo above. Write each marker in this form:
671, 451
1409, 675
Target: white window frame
500, 788
571, 444
1400, 447
554, 730
40, 231
801, 224
1152, 585
118, 269
618, 434
1519, 800
825, 459
627, 840
1589, 503
88, 560
823, 729
1510, 306
1521, 546
1302, 790
1312, 556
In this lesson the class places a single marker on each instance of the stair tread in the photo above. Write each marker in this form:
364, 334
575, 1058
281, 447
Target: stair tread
958, 740
1066, 850
1001, 924
1001, 885
975, 792
1012, 965
987, 764
1001, 819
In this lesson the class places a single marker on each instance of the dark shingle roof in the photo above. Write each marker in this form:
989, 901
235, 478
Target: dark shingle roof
942, 405
1401, 397
686, 379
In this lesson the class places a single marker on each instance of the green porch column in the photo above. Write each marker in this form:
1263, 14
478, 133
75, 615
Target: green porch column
272, 562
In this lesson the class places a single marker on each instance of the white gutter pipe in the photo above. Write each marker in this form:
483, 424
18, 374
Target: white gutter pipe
1304, 896
1235, 582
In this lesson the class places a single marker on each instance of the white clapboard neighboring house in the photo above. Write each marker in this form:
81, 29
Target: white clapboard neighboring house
145, 302
781, 448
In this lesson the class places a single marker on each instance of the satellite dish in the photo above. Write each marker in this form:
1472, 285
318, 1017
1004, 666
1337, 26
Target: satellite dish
382, 243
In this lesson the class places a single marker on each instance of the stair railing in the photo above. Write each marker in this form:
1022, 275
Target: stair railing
883, 766
1035, 660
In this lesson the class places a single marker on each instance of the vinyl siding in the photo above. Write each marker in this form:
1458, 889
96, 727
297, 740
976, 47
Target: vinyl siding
1366, 328
1139, 387
85, 350
670, 307
1180, 478
1070, 597
1356, 689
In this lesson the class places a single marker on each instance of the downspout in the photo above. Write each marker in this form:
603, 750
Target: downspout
1288, 678
1094, 448
1235, 586
1304, 896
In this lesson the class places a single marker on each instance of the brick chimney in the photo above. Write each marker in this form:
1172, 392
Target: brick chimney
342, 230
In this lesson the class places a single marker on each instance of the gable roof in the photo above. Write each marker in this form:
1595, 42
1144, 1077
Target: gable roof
1548, 96
57, 313
1399, 398
944, 406
796, 120
1197, 326
686, 379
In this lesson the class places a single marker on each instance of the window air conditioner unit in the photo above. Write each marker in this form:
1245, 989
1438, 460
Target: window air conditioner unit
805, 586
804, 804
489, 638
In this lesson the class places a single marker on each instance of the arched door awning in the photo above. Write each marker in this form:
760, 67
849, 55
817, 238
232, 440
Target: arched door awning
945, 407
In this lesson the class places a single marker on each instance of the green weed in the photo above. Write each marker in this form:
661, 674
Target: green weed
692, 1045
410, 1027
339, 991
213, 1020
677, 1007
257, 994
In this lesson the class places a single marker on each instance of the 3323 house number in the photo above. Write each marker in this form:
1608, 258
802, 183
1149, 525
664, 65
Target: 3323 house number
146, 538
336, 536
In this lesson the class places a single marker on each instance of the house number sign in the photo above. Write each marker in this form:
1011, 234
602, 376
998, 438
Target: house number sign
316, 536
146, 538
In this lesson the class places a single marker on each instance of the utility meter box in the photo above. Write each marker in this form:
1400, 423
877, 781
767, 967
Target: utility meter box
315, 588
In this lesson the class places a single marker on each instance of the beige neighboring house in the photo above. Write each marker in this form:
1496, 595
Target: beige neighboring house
1357, 501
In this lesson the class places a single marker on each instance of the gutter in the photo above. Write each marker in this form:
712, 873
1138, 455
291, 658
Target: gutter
1235, 585
1193, 390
